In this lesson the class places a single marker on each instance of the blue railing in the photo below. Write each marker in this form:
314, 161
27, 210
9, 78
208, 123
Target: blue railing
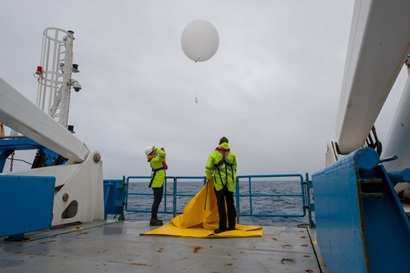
137, 187
272, 195
268, 192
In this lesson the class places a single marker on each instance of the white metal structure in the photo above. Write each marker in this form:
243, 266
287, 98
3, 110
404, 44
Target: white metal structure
78, 195
20, 114
54, 74
79, 184
399, 135
379, 45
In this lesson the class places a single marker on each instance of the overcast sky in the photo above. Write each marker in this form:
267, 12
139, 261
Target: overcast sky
272, 88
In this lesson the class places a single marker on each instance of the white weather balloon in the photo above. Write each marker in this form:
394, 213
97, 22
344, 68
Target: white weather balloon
200, 40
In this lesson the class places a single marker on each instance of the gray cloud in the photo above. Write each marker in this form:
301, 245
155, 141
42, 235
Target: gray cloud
272, 87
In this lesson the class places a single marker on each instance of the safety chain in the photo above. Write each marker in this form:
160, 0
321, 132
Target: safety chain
11, 161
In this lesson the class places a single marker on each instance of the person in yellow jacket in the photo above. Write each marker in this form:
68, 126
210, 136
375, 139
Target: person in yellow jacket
221, 168
156, 157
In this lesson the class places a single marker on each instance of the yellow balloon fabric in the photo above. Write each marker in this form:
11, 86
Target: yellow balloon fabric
200, 218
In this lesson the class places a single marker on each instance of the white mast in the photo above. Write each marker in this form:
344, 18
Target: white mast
54, 74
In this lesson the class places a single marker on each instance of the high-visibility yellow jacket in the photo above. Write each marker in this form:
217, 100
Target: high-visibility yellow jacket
223, 172
158, 172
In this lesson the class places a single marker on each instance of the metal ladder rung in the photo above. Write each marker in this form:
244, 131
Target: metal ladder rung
371, 194
371, 181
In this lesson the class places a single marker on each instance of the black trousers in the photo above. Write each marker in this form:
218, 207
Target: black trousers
158, 192
222, 196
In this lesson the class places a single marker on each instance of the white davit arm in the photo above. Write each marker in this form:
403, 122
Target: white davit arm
378, 47
22, 115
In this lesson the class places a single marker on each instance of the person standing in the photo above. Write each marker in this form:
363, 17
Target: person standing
221, 168
156, 157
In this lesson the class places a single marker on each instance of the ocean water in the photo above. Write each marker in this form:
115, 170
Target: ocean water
265, 198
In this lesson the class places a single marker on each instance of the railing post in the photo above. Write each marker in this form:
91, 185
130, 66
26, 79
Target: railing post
174, 199
308, 185
238, 206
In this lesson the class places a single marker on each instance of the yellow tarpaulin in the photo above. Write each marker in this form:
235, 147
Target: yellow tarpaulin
200, 218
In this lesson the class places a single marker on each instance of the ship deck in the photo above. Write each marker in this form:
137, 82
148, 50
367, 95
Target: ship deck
119, 247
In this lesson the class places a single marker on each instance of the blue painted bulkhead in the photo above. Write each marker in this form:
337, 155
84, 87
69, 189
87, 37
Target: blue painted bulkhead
26, 204
361, 224
114, 196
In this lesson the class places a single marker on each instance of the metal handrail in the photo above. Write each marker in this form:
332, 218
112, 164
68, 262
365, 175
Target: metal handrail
252, 195
171, 203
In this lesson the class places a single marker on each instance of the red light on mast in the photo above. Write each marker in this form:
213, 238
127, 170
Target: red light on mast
39, 70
